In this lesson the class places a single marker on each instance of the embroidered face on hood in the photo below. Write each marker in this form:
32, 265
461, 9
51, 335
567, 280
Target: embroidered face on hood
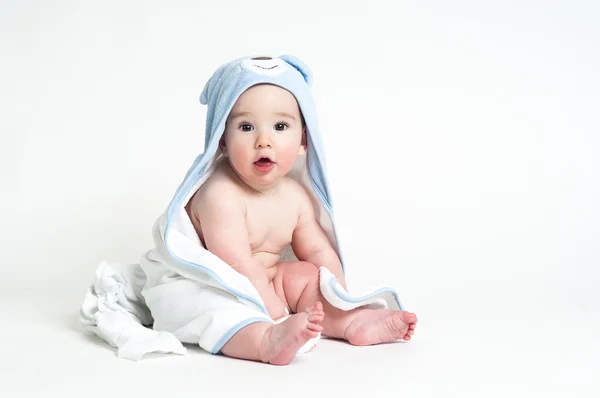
265, 65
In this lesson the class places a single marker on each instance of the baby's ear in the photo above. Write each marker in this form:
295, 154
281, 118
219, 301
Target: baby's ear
223, 146
302, 150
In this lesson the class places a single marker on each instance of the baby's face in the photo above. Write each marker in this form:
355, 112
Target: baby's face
264, 135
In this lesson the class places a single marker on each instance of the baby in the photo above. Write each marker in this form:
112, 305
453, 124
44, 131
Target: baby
249, 209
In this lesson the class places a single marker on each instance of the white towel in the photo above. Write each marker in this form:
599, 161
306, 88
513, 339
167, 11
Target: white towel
114, 309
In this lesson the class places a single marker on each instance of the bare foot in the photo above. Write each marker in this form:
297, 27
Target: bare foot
281, 342
380, 326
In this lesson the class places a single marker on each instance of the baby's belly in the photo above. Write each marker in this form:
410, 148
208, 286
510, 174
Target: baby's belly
269, 262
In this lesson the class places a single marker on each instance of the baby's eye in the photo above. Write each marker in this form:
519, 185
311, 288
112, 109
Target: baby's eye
281, 126
245, 127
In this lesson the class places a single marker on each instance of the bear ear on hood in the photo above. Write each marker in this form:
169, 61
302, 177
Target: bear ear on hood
209, 87
300, 66
204, 95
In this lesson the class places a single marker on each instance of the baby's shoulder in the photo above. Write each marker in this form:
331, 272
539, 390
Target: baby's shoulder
217, 192
294, 190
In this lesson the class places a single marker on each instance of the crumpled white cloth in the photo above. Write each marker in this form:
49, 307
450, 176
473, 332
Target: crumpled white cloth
114, 309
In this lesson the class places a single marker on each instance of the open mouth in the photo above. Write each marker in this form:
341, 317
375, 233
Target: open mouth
264, 165
263, 161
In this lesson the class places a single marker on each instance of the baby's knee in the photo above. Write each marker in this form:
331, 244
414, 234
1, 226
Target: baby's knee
296, 275
308, 269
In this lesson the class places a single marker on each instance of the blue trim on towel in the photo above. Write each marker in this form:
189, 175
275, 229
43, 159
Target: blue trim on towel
333, 284
223, 340
213, 275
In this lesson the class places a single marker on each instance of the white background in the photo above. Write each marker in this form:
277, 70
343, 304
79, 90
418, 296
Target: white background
462, 150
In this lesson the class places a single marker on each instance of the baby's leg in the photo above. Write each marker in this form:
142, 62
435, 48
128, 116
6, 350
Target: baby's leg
276, 344
297, 283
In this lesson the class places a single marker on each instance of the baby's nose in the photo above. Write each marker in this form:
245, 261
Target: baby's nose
263, 141
263, 144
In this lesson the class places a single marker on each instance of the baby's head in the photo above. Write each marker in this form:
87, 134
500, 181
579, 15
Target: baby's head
264, 134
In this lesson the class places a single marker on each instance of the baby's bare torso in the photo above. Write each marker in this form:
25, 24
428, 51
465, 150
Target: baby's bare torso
270, 218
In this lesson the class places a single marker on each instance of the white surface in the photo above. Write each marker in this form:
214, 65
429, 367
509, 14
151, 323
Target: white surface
471, 126
458, 352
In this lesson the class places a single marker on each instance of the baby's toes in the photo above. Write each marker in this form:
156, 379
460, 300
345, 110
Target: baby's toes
316, 313
315, 308
315, 327
407, 317
315, 318
309, 334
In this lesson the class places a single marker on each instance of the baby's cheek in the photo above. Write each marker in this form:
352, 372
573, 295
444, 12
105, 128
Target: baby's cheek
288, 158
238, 154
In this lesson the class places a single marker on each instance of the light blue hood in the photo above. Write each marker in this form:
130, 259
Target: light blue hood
222, 91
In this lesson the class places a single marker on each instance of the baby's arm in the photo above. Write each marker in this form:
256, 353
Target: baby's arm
310, 243
223, 224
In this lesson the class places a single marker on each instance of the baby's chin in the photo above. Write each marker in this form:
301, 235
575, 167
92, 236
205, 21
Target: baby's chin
257, 180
